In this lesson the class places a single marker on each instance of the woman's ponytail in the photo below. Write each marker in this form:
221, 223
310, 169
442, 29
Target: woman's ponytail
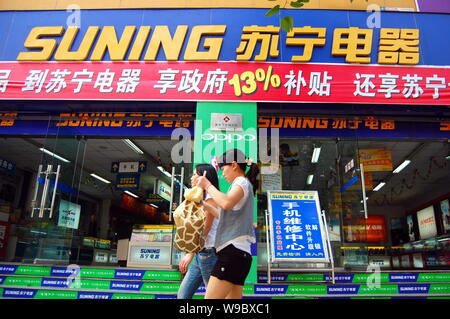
252, 175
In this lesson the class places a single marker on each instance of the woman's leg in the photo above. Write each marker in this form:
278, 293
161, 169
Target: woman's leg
191, 281
218, 289
236, 292
207, 261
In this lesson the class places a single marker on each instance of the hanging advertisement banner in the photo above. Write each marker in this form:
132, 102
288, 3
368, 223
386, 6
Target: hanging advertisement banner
298, 233
366, 230
225, 81
376, 159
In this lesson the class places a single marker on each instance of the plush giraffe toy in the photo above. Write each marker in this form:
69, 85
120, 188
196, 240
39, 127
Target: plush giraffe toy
189, 218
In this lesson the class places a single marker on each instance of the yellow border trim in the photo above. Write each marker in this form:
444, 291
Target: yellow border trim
27, 5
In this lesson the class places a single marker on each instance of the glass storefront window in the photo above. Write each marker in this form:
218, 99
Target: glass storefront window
380, 238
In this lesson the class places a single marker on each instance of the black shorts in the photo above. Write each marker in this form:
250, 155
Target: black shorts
233, 265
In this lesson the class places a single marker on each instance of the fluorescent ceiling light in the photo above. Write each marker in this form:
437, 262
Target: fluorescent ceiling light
164, 171
54, 155
316, 154
154, 205
379, 186
100, 178
310, 179
133, 146
131, 194
402, 166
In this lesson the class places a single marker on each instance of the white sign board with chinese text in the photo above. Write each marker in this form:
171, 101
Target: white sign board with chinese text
226, 122
156, 254
69, 214
270, 177
297, 229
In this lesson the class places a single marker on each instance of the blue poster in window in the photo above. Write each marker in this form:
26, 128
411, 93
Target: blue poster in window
297, 231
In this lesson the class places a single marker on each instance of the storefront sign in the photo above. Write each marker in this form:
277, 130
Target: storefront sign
69, 214
141, 124
226, 81
297, 228
376, 160
128, 181
164, 190
427, 223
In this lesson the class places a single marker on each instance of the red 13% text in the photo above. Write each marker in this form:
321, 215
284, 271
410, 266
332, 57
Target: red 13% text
250, 79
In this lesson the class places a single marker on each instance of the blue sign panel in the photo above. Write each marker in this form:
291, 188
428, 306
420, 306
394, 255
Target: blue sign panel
56, 283
142, 167
432, 45
270, 289
94, 295
403, 277
19, 293
264, 278
127, 182
297, 230
343, 279
125, 285
115, 167
8, 270
342, 290
129, 274
7, 166
413, 289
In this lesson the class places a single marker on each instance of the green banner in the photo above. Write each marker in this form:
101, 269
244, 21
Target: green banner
97, 273
213, 138
439, 289
92, 284
307, 290
162, 275
22, 282
51, 294
442, 277
132, 296
33, 271
375, 290
362, 278
163, 288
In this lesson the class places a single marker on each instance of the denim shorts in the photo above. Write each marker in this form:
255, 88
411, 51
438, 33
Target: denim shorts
233, 265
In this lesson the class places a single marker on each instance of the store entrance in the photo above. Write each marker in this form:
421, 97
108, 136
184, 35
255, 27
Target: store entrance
106, 187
